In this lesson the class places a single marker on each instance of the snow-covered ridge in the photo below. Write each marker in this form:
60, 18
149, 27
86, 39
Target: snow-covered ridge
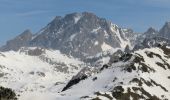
144, 74
52, 75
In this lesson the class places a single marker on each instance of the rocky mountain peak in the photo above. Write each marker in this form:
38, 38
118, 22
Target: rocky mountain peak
151, 30
74, 18
57, 18
22, 40
27, 34
89, 15
167, 24
80, 34
27, 31
165, 30
76, 34
72, 15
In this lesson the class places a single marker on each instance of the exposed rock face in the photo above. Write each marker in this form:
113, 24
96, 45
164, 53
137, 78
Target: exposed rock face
77, 34
21, 40
165, 30
131, 36
84, 34
151, 32
80, 34
7, 94
153, 37
152, 42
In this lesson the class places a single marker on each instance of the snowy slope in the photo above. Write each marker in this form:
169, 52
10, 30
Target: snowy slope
45, 74
144, 74
32, 76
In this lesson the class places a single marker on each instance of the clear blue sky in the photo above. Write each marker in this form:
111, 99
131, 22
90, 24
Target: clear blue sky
18, 15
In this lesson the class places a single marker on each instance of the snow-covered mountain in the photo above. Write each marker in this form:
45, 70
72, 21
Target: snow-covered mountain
84, 57
141, 75
77, 34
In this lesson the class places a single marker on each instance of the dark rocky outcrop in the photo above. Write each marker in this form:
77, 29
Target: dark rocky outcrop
74, 81
7, 94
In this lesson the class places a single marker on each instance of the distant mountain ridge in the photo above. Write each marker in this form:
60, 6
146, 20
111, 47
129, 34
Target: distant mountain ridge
22, 40
153, 37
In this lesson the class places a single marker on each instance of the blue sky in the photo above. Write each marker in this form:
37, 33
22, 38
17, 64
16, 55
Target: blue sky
18, 15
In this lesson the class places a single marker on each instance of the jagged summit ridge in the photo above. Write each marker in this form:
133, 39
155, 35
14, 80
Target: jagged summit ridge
165, 30
153, 37
79, 35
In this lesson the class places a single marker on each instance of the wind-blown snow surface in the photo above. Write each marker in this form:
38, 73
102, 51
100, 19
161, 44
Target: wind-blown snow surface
36, 77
